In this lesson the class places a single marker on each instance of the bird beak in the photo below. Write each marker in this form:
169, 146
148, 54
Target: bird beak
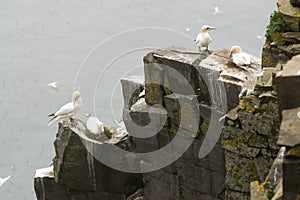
212, 28
230, 55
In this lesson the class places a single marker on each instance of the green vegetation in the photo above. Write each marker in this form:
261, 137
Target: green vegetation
276, 25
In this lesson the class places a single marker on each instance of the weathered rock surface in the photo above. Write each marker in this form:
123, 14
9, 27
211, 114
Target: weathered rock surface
46, 188
247, 141
289, 78
76, 168
289, 129
295, 3
289, 98
183, 90
132, 87
189, 177
249, 136
281, 46
291, 172
162, 70
290, 14
225, 80
282, 37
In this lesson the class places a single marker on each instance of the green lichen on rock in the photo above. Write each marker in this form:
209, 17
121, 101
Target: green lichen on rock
240, 172
108, 132
249, 142
275, 27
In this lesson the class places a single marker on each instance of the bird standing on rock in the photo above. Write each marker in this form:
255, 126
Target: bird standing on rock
68, 110
203, 39
239, 57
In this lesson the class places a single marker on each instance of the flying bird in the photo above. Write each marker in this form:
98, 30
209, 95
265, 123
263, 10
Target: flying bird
68, 110
94, 125
3, 180
216, 10
53, 85
239, 57
203, 39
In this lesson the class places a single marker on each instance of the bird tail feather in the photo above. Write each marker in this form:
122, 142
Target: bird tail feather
51, 115
52, 120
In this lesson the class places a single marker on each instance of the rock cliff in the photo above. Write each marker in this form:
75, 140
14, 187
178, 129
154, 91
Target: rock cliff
197, 127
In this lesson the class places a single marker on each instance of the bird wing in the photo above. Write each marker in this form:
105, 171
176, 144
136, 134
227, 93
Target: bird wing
65, 109
91, 124
246, 58
241, 59
53, 85
3, 180
198, 38
54, 119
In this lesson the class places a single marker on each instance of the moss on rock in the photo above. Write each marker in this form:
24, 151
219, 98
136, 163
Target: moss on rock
275, 27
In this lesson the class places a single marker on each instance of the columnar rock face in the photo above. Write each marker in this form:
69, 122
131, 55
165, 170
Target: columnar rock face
218, 123
249, 139
214, 84
46, 187
289, 78
160, 75
282, 36
250, 135
289, 136
77, 172
281, 46
189, 177
178, 109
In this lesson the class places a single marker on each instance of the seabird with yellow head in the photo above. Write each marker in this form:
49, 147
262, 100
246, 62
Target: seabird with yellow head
239, 57
68, 110
203, 39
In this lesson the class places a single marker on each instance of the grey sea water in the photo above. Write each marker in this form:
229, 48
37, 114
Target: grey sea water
45, 41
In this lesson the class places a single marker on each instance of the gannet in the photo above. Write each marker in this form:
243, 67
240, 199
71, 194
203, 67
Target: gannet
68, 110
3, 180
94, 125
203, 39
216, 10
239, 57
53, 85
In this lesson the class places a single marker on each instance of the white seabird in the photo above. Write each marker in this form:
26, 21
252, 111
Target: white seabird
203, 39
3, 180
68, 110
53, 85
216, 10
94, 125
239, 57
